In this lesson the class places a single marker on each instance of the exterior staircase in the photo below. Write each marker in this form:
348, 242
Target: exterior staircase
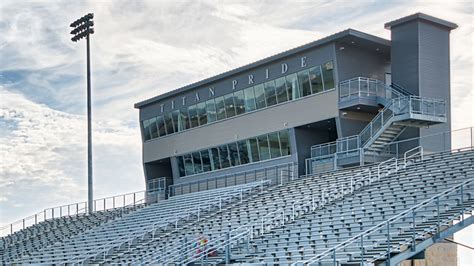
401, 110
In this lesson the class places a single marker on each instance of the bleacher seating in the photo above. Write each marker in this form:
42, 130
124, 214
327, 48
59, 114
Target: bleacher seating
304, 234
159, 217
55, 230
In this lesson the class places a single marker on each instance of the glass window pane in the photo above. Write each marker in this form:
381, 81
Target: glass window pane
153, 128
197, 162
284, 142
146, 129
243, 152
234, 154
181, 165
183, 119
211, 111
249, 99
215, 161
193, 117
263, 147
239, 102
161, 125
252, 144
270, 94
206, 161
280, 85
259, 96
201, 112
188, 164
229, 105
224, 156
316, 79
328, 77
220, 108
274, 145
169, 123
292, 86
175, 116
303, 80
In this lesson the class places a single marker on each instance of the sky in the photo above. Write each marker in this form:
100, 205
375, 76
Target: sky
144, 48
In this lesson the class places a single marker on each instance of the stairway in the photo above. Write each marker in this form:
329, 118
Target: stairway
401, 110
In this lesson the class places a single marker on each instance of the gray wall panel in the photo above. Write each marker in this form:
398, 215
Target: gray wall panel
295, 113
354, 61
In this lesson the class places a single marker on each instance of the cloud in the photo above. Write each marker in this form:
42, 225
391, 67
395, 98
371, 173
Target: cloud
44, 153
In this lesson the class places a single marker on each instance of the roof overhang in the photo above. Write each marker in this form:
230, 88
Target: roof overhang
421, 16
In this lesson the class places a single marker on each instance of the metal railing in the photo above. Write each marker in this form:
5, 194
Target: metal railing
160, 225
102, 204
186, 253
360, 87
461, 191
226, 180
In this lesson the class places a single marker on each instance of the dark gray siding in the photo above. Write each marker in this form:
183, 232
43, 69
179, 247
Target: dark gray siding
404, 56
354, 61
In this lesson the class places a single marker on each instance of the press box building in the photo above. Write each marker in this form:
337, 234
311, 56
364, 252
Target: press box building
332, 103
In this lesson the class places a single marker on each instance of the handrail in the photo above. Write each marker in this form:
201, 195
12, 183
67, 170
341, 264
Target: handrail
384, 223
415, 152
104, 249
73, 209
328, 194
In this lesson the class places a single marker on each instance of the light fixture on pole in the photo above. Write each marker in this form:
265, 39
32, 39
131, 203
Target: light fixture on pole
83, 28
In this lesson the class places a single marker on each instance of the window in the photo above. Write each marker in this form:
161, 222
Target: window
224, 156
274, 143
183, 119
188, 164
197, 162
215, 162
292, 86
234, 154
229, 105
193, 116
253, 146
284, 143
239, 102
328, 77
206, 161
263, 147
220, 108
243, 152
211, 111
146, 129
153, 128
201, 112
303, 80
249, 99
169, 123
316, 79
270, 94
160, 121
181, 165
280, 87
259, 96
175, 117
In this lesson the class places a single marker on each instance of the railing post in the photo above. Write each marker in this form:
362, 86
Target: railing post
437, 216
227, 249
388, 243
362, 250
334, 257
134, 199
462, 202
413, 237
23, 223
36, 218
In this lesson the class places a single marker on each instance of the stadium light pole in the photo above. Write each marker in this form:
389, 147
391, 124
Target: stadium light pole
83, 28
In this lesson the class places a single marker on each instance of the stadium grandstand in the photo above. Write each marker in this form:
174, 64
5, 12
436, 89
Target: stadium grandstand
337, 152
